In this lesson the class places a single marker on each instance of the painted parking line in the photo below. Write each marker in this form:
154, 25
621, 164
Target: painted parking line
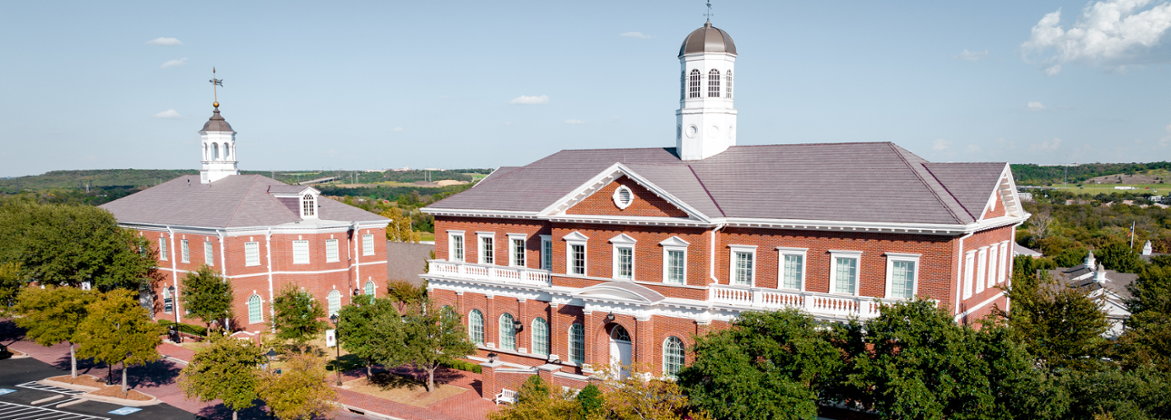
14, 411
49, 388
126, 410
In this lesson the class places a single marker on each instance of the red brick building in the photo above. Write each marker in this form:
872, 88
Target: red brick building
259, 233
589, 257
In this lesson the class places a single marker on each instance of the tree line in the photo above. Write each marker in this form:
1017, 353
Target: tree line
1032, 174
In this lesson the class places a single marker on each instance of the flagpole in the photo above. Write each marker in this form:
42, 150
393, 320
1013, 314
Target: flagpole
1132, 234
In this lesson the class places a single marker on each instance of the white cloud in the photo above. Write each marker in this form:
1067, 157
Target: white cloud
530, 100
1035, 106
574, 122
638, 35
940, 144
972, 148
1046, 146
397, 129
1110, 32
168, 114
970, 55
1166, 140
174, 63
166, 42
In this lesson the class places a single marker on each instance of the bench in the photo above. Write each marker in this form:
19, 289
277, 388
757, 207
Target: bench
506, 396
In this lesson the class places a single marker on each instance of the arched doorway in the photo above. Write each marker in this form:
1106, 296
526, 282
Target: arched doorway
620, 351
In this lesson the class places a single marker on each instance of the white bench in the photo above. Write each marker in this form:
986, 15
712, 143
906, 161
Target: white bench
506, 396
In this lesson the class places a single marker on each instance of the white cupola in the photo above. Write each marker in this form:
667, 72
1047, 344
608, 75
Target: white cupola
706, 119
219, 149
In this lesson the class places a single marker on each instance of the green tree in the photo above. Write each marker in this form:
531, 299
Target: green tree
634, 398
1147, 337
591, 402
432, 337
297, 316
1059, 325
119, 330
535, 401
399, 229
52, 315
300, 391
11, 283
63, 244
767, 365
403, 293
1119, 257
226, 370
207, 295
359, 333
1138, 394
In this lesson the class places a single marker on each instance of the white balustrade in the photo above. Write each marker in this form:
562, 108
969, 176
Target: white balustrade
817, 304
492, 273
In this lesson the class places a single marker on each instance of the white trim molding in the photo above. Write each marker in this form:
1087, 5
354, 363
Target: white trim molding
480, 236
524, 243
462, 255
622, 241
573, 239
618, 198
732, 272
891, 259
674, 244
833, 270
787, 251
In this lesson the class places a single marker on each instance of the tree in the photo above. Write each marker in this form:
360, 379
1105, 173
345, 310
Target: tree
431, 338
591, 402
52, 315
207, 295
1059, 325
1039, 225
226, 370
535, 401
10, 285
63, 244
634, 398
1119, 257
298, 317
119, 330
1147, 338
768, 364
359, 331
300, 391
399, 229
404, 293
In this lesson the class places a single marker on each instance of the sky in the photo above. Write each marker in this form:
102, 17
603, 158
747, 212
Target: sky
374, 85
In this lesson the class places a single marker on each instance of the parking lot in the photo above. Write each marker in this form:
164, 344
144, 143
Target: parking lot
22, 398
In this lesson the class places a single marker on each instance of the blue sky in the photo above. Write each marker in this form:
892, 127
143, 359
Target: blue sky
356, 85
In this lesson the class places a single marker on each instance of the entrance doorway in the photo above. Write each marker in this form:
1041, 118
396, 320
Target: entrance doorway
620, 351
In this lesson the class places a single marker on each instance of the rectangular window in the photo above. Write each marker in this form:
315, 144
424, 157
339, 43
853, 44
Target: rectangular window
969, 269
300, 252
902, 279
577, 259
518, 252
186, 252
251, 253
743, 268
547, 253
208, 253
993, 265
487, 254
846, 274
793, 271
368, 244
163, 249
675, 261
1004, 260
981, 269
331, 250
624, 263
457, 247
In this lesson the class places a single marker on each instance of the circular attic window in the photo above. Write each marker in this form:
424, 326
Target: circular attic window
623, 197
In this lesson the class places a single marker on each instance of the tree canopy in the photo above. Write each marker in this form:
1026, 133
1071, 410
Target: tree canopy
207, 295
300, 390
371, 329
119, 330
226, 370
432, 337
53, 315
297, 316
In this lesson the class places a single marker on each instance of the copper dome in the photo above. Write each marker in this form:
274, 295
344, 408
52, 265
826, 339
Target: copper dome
707, 39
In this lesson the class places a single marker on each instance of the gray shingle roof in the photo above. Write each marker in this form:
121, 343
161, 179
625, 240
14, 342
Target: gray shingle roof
217, 123
235, 201
857, 182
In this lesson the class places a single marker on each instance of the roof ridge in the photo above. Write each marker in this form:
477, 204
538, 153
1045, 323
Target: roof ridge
706, 191
934, 193
241, 202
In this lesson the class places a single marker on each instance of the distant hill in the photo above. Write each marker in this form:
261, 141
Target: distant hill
1030, 174
125, 178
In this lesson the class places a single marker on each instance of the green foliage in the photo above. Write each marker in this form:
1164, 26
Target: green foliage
60, 244
1138, 394
297, 316
1061, 326
300, 391
768, 364
226, 370
186, 328
207, 296
535, 401
10, 284
94, 178
119, 330
371, 329
1119, 257
591, 402
1071, 257
52, 315
464, 366
431, 338
1147, 338
1032, 174
399, 229
404, 294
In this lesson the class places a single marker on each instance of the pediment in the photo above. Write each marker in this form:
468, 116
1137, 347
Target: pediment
575, 236
1005, 197
620, 291
599, 197
674, 241
623, 239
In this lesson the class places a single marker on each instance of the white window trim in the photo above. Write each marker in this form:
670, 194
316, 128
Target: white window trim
368, 250
981, 268
162, 248
335, 256
329, 302
533, 338
313, 205
733, 249
891, 258
576, 238
1005, 258
673, 243
546, 255
257, 246
451, 246
782, 252
305, 244
833, 270
993, 264
208, 253
185, 251
619, 242
969, 270
682, 363
512, 252
480, 247
260, 307
617, 194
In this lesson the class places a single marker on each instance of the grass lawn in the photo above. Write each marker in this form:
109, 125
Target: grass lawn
426, 236
1094, 189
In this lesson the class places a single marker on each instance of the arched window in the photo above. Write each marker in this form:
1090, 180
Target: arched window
694, 91
728, 84
507, 332
227, 152
577, 343
370, 287
215, 151
713, 84
682, 86
619, 333
205, 151
447, 313
255, 315
335, 302
476, 326
673, 353
308, 206
540, 336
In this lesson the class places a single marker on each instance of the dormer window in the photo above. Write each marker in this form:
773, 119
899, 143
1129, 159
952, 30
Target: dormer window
308, 206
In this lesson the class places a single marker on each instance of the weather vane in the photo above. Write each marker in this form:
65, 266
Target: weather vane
215, 82
709, 11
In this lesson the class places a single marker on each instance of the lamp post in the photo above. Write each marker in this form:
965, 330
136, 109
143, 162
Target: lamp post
272, 354
337, 344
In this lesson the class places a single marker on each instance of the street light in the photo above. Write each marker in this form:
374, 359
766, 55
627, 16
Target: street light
337, 367
272, 354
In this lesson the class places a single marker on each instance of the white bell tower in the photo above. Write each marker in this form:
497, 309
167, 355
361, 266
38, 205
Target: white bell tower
706, 119
218, 142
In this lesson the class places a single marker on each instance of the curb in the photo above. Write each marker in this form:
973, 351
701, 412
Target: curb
65, 385
131, 403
